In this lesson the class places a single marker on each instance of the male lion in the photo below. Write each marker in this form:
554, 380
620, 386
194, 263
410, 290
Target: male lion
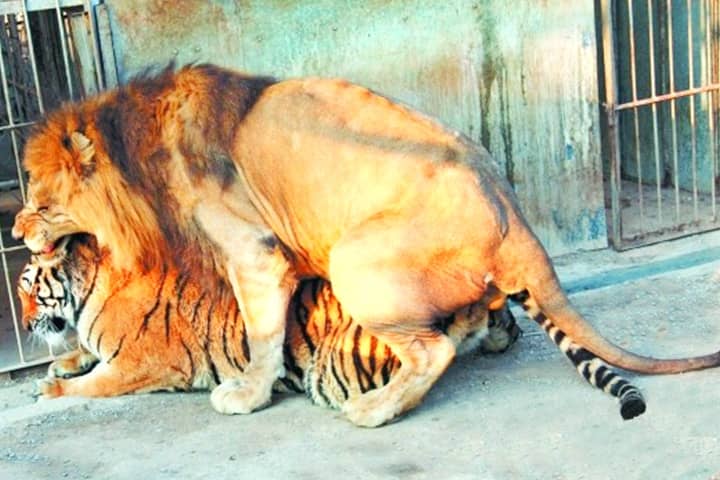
282, 180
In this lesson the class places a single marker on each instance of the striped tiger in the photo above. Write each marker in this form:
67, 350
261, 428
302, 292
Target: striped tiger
163, 330
327, 355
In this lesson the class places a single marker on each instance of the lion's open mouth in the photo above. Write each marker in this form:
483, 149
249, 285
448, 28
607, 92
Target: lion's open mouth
54, 250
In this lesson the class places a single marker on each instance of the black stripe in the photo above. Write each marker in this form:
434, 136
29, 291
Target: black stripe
97, 345
520, 297
622, 391
117, 350
190, 358
373, 352
196, 308
214, 371
290, 362
291, 385
158, 296
244, 343
319, 388
339, 381
83, 301
359, 367
54, 275
301, 316
603, 375
167, 323
585, 371
387, 365
580, 355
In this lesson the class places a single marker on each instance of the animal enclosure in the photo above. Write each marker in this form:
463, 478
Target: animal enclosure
49, 54
533, 84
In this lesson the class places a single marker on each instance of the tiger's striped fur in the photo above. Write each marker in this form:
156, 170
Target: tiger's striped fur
593, 369
161, 330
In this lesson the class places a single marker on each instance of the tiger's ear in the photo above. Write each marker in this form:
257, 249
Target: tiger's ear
84, 149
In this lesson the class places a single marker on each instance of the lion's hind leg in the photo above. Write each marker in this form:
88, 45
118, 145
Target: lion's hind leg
395, 295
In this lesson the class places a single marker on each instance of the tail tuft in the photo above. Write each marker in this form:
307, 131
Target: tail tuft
632, 405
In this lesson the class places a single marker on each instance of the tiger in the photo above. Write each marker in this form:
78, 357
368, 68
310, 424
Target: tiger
191, 335
327, 355
273, 181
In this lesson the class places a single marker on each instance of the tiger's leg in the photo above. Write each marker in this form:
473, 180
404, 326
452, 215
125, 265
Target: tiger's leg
503, 331
73, 364
109, 380
263, 282
394, 296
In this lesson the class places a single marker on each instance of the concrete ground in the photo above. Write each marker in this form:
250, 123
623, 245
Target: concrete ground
522, 415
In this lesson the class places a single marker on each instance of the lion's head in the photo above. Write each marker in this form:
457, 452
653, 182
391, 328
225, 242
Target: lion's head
75, 186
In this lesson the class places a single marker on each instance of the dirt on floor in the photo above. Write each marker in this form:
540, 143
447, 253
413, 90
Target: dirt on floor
525, 414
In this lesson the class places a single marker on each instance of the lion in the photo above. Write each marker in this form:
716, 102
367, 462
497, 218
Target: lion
275, 181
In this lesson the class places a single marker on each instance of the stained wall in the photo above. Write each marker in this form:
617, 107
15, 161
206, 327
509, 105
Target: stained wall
518, 76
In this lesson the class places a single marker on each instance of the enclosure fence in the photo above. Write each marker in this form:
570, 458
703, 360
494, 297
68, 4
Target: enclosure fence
661, 61
49, 53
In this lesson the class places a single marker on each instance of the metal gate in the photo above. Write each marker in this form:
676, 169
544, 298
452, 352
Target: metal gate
49, 53
660, 60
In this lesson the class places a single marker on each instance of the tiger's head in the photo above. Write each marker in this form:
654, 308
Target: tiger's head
47, 309
50, 289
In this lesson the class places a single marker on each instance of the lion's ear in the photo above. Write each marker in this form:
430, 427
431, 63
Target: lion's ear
84, 150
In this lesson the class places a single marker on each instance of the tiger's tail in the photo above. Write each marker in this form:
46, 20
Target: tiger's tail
593, 369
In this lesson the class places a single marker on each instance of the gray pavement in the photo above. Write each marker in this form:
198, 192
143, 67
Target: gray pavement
522, 415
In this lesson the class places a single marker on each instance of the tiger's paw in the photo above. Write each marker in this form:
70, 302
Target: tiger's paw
49, 387
371, 409
73, 366
238, 396
503, 332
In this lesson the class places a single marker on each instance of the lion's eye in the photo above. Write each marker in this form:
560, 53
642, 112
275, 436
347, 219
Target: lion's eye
42, 209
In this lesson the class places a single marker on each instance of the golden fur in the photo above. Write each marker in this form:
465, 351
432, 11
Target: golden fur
193, 334
270, 182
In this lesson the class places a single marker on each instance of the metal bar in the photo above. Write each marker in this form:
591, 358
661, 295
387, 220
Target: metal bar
32, 363
15, 248
636, 120
673, 116
63, 46
11, 119
653, 89
15, 126
693, 133
608, 43
95, 47
711, 123
13, 313
665, 97
8, 7
33, 63
3, 255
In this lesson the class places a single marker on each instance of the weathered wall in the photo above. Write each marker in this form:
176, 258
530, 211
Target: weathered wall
522, 80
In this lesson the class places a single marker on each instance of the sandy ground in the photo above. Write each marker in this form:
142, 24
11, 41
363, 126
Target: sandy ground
522, 415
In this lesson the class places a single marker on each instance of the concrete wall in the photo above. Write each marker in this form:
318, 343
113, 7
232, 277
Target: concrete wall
518, 76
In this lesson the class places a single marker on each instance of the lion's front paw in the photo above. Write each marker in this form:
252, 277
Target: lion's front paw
239, 396
49, 387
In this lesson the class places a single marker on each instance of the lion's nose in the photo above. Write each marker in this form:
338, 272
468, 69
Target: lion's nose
18, 232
